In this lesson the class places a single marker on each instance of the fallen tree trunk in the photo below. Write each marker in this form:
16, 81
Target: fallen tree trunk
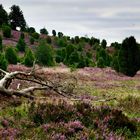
28, 92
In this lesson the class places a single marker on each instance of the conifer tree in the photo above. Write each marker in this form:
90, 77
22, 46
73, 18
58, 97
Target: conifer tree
129, 57
16, 18
1, 47
45, 54
21, 45
11, 56
3, 16
3, 62
29, 58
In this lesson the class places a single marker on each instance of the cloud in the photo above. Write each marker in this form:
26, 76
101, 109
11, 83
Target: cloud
110, 19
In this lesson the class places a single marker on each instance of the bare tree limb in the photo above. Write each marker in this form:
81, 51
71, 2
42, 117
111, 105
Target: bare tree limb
40, 84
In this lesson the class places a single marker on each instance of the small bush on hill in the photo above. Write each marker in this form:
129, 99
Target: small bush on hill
29, 58
32, 40
54, 32
35, 35
49, 40
100, 62
3, 62
22, 36
21, 45
31, 30
6, 31
11, 56
45, 54
60, 55
44, 31
1, 47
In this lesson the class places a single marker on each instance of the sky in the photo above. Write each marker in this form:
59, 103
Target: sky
113, 20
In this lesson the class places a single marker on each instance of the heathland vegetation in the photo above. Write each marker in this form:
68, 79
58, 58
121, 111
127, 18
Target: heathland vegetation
103, 84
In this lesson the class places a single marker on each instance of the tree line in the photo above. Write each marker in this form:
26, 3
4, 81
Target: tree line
75, 52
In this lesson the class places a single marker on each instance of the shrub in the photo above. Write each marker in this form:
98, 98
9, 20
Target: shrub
115, 63
51, 113
44, 31
3, 62
31, 30
32, 40
29, 58
74, 58
49, 40
1, 47
45, 54
22, 36
104, 55
103, 43
35, 35
130, 104
6, 31
60, 34
60, 55
69, 50
62, 42
100, 62
54, 32
11, 56
21, 45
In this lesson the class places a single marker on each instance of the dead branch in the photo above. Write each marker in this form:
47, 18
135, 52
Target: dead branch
39, 84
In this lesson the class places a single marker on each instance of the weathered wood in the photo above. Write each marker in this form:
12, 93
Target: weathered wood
42, 84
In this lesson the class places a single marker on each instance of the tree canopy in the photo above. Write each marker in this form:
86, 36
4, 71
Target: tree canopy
129, 56
16, 18
3, 16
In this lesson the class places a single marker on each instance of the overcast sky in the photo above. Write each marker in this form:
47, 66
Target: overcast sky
112, 20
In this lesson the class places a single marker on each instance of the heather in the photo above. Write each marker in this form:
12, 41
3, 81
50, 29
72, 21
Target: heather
66, 88
65, 121
101, 112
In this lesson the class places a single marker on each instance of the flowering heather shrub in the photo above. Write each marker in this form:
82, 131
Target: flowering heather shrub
8, 133
19, 67
63, 121
119, 120
64, 130
51, 113
16, 35
58, 137
70, 120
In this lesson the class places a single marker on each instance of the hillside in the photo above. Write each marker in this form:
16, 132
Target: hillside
101, 88
58, 87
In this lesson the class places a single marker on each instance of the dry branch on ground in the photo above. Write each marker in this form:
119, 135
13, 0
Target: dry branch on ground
39, 84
